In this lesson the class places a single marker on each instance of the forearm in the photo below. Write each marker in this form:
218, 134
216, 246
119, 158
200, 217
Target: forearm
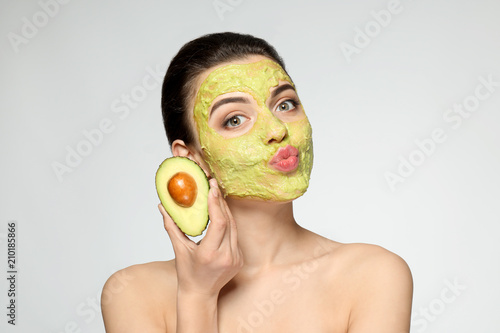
196, 313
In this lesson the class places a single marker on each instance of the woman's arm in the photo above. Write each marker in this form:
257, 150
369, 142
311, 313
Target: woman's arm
382, 302
202, 270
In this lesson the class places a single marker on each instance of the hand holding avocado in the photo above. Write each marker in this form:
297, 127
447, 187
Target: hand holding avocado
204, 269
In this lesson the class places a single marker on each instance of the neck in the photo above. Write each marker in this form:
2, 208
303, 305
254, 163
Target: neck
267, 232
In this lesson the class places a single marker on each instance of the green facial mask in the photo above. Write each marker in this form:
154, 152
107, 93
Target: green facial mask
240, 164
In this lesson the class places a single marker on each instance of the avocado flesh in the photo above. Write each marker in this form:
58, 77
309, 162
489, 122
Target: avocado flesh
191, 220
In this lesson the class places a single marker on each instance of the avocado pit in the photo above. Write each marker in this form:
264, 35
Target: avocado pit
182, 188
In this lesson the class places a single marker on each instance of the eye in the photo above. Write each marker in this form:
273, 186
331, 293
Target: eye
287, 105
234, 121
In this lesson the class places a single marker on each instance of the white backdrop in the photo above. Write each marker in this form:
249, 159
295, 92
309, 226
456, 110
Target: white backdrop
403, 97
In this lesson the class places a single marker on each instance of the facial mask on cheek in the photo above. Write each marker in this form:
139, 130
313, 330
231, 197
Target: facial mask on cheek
240, 164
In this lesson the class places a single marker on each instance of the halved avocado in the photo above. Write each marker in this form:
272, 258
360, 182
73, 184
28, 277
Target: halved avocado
182, 187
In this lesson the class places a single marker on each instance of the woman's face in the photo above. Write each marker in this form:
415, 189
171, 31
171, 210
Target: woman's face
253, 132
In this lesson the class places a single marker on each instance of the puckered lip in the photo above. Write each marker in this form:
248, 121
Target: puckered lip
286, 159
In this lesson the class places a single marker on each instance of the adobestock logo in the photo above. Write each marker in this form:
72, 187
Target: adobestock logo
428, 314
292, 279
121, 109
223, 6
454, 116
373, 28
30, 28
89, 309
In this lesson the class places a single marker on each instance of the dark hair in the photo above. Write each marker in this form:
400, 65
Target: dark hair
194, 58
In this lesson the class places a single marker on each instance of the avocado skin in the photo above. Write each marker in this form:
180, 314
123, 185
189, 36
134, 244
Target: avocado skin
191, 220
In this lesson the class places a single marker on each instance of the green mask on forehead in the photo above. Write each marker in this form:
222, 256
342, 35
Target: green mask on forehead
240, 164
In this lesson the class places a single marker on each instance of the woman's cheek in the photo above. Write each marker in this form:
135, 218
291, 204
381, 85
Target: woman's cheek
301, 137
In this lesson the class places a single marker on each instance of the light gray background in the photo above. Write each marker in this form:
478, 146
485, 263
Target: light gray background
366, 114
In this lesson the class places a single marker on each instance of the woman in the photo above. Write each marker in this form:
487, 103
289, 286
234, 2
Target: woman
229, 105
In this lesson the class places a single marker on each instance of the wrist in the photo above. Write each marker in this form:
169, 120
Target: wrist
201, 306
197, 296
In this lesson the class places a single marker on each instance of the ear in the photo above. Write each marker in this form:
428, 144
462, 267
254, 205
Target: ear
179, 148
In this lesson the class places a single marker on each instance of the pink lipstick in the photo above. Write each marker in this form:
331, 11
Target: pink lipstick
286, 159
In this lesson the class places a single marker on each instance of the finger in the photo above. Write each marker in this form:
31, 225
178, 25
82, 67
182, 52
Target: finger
232, 232
218, 220
177, 237
227, 216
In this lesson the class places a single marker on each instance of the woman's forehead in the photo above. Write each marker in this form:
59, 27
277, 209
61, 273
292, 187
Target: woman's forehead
256, 78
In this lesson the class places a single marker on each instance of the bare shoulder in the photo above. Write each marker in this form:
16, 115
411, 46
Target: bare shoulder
362, 261
367, 266
380, 285
372, 259
136, 298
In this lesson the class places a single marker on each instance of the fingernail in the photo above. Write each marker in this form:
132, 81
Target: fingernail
214, 187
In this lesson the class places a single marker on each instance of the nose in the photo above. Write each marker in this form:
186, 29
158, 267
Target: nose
276, 130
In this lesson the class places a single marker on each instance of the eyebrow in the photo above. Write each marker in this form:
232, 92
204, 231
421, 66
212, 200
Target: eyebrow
245, 100
280, 89
228, 100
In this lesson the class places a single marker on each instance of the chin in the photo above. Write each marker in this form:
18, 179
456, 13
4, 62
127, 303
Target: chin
267, 197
